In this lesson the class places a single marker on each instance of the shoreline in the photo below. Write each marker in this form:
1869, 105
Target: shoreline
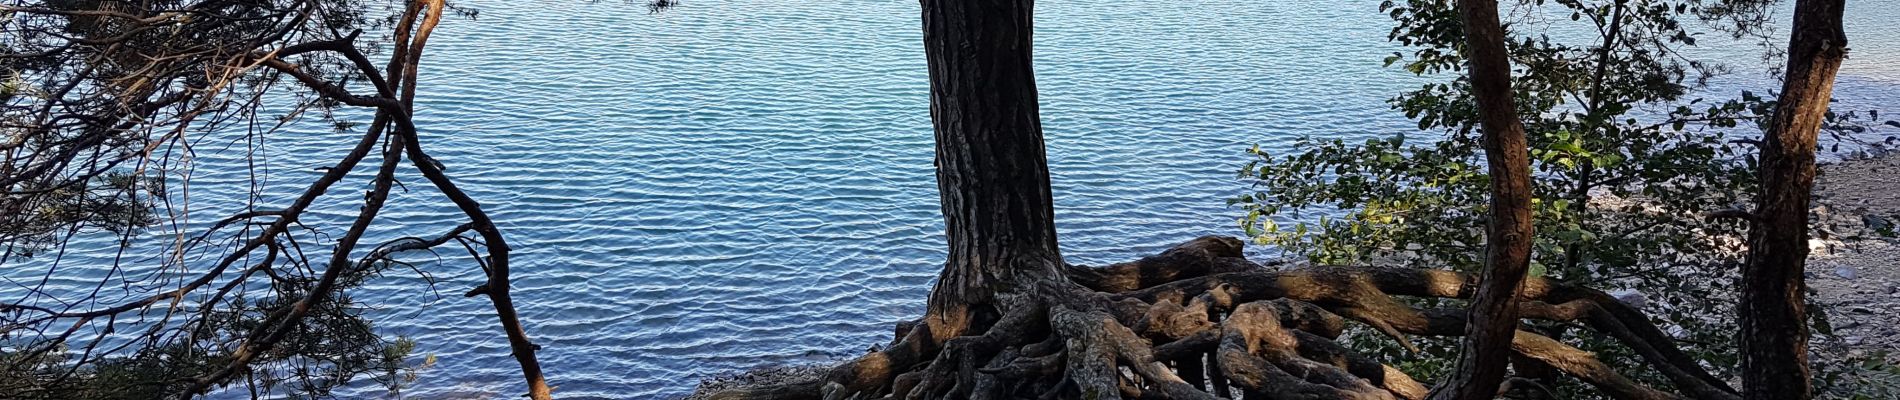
1857, 281
1853, 271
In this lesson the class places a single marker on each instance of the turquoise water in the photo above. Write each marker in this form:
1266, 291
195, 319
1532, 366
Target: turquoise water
735, 184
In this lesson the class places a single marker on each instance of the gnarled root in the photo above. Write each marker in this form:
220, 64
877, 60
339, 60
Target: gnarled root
1200, 322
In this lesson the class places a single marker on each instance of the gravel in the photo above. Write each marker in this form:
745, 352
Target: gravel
1862, 294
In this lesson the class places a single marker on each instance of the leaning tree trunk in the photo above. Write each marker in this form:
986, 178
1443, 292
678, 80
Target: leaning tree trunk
1773, 314
1493, 319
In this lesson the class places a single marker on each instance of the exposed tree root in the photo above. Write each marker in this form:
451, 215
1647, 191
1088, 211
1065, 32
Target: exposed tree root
1200, 322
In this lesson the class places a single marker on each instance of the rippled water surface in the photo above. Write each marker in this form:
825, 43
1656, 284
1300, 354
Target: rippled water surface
734, 184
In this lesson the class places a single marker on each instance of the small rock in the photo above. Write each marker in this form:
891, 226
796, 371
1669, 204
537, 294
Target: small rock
1847, 273
1876, 222
1853, 340
1631, 297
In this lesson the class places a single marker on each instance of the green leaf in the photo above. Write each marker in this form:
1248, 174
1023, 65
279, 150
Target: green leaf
1606, 160
1567, 147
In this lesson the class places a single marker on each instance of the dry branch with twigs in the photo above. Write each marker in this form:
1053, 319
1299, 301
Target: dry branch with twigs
108, 89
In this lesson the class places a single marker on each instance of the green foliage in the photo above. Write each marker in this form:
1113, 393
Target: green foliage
48, 375
332, 347
98, 94
1624, 166
35, 216
103, 100
1862, 377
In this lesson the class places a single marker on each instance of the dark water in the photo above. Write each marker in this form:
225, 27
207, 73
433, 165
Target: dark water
735, 184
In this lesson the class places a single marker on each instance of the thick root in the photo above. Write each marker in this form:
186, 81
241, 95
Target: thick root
1200, 322
1253, 340
1099, 347
1206, 255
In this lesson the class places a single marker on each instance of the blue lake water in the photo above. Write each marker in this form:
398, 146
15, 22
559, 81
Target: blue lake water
735, 184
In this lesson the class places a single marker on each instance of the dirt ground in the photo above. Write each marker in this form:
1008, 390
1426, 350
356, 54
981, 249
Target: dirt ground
1858, 280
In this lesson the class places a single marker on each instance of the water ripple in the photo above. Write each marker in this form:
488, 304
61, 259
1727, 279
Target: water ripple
744, 183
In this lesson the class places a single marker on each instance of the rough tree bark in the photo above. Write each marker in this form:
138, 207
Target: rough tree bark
992, 174
1493, 312
1773, 314
1009, 319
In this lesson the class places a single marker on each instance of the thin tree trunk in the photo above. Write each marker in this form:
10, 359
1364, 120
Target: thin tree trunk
992, 173
1773, 315
1493, 313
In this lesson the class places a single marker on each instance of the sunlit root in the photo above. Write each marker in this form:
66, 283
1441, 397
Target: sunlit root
1200, 322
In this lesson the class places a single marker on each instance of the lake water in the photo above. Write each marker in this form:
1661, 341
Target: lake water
736, 184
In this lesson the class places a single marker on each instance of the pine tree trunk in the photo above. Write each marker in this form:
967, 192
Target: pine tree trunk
992, 173
1493, 319
1773, 314
1008, 319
